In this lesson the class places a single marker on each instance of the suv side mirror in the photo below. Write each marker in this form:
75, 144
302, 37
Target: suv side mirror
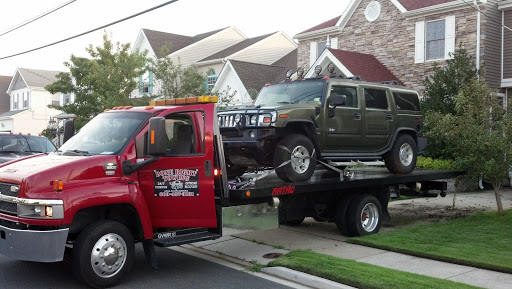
157, 138
334, 101
337, 100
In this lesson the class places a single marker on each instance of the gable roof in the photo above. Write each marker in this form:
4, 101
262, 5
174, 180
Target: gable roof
37, 77
237, 47
410, 5
255, 76
158, 40
405, 6
288, 61
364, 65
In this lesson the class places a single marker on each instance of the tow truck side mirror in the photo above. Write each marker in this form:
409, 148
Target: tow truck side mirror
69, 130
157, 138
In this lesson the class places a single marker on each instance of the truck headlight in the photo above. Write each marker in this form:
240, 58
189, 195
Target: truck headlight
41, 211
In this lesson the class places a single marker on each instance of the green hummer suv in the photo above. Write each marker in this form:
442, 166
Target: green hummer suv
332, 120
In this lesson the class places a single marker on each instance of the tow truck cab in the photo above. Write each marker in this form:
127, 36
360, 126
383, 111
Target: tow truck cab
132, 174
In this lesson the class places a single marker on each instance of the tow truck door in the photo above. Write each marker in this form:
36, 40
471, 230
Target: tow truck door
179, 187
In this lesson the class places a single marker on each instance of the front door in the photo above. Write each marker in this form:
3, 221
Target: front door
179, 187
343, 131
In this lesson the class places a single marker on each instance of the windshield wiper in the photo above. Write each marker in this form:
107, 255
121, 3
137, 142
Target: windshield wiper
78, 152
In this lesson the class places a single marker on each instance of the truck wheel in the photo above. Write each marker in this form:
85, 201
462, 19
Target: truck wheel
296, 152
401, 159
341, 214
364, 216
103, 253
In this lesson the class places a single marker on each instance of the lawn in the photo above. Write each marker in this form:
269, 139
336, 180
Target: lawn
359, 275
483, 240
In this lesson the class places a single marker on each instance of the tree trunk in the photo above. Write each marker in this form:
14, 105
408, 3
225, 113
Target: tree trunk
498, 200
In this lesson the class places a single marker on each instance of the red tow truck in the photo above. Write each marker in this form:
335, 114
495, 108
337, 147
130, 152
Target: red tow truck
155, 175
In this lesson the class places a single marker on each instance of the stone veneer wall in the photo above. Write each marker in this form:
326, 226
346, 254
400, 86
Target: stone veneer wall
390, 39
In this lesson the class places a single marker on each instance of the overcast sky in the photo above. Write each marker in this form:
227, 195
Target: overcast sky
185, 17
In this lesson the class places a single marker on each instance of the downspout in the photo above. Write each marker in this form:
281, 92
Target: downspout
477, 38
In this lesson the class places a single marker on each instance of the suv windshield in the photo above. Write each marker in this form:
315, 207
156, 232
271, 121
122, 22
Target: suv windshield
11, 143
105, 134
290, 92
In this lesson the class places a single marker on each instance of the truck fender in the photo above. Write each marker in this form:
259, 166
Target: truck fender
139, 202
307, 127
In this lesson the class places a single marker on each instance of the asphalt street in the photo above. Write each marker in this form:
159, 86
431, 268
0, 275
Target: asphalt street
176, 270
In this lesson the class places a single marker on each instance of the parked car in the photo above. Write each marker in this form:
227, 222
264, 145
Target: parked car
330, 119
13, 146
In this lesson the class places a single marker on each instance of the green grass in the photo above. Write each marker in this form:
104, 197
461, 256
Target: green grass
360, 275
482, 240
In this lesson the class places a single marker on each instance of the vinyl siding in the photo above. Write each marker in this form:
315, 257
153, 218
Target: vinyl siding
507, 46
267, 51
491, 43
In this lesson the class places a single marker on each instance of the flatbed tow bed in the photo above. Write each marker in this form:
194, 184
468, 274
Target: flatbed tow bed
356, 200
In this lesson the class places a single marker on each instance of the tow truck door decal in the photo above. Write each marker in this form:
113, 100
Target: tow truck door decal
176, 183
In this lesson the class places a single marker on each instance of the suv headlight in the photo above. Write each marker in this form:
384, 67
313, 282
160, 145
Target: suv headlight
267, 119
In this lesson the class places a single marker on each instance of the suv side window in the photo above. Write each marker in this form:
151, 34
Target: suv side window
376, 98
406, 101
349, 92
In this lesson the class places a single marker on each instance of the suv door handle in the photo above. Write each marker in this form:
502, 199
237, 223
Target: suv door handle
356, 116
389, 117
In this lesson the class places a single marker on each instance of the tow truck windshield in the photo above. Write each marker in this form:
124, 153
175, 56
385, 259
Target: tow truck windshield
106, 134
290, 92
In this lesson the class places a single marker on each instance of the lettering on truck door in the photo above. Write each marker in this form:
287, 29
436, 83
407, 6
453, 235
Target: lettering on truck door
177, 189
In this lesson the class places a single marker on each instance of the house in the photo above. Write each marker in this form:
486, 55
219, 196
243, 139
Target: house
210, 51
186, 50
28, 105
409, 37
245, 79
4, 97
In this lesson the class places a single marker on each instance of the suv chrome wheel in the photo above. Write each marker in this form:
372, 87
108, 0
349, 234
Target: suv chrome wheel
406, 154
300, 159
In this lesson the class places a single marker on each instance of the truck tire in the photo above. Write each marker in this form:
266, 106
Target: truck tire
103, 253
294, 158
401, 159
341, 214
364, 216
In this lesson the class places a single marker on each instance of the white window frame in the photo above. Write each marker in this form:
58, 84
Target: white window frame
313, 48
420, 40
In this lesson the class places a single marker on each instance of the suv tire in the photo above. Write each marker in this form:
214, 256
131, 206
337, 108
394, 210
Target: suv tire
294, 158
401, 159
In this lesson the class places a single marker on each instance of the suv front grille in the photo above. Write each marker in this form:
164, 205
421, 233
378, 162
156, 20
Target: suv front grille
245, 118
6, 207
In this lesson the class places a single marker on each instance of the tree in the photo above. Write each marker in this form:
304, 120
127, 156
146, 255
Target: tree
441, 88
225, 97
104, 80
480, 134
176, 81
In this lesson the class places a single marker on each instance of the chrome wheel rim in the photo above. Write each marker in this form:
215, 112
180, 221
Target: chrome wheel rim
300, 159
108, 255
369, 217
405, 154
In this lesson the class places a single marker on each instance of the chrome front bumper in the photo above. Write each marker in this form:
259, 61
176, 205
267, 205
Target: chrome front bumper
35, 246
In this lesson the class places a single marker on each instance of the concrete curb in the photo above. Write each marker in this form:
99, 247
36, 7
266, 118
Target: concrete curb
304, 278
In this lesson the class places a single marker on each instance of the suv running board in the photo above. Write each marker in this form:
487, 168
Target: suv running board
356, 163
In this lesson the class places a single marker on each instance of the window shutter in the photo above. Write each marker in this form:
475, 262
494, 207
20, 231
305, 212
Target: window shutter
334, 43
150, 86
312, 53
419, 43
141, 84
449, 36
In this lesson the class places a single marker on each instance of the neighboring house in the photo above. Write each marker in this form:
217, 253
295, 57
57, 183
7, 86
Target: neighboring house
4, 97
242, 77
29, 111
208, 52
409, 37
186, 50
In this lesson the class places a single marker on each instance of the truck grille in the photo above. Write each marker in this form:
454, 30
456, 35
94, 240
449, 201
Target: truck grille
245, 118
6, 207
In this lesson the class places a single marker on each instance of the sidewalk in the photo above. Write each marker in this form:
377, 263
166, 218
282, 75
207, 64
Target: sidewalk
263, 245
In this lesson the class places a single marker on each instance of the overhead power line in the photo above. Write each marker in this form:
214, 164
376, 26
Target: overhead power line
92, 30
489, 17
36, 18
